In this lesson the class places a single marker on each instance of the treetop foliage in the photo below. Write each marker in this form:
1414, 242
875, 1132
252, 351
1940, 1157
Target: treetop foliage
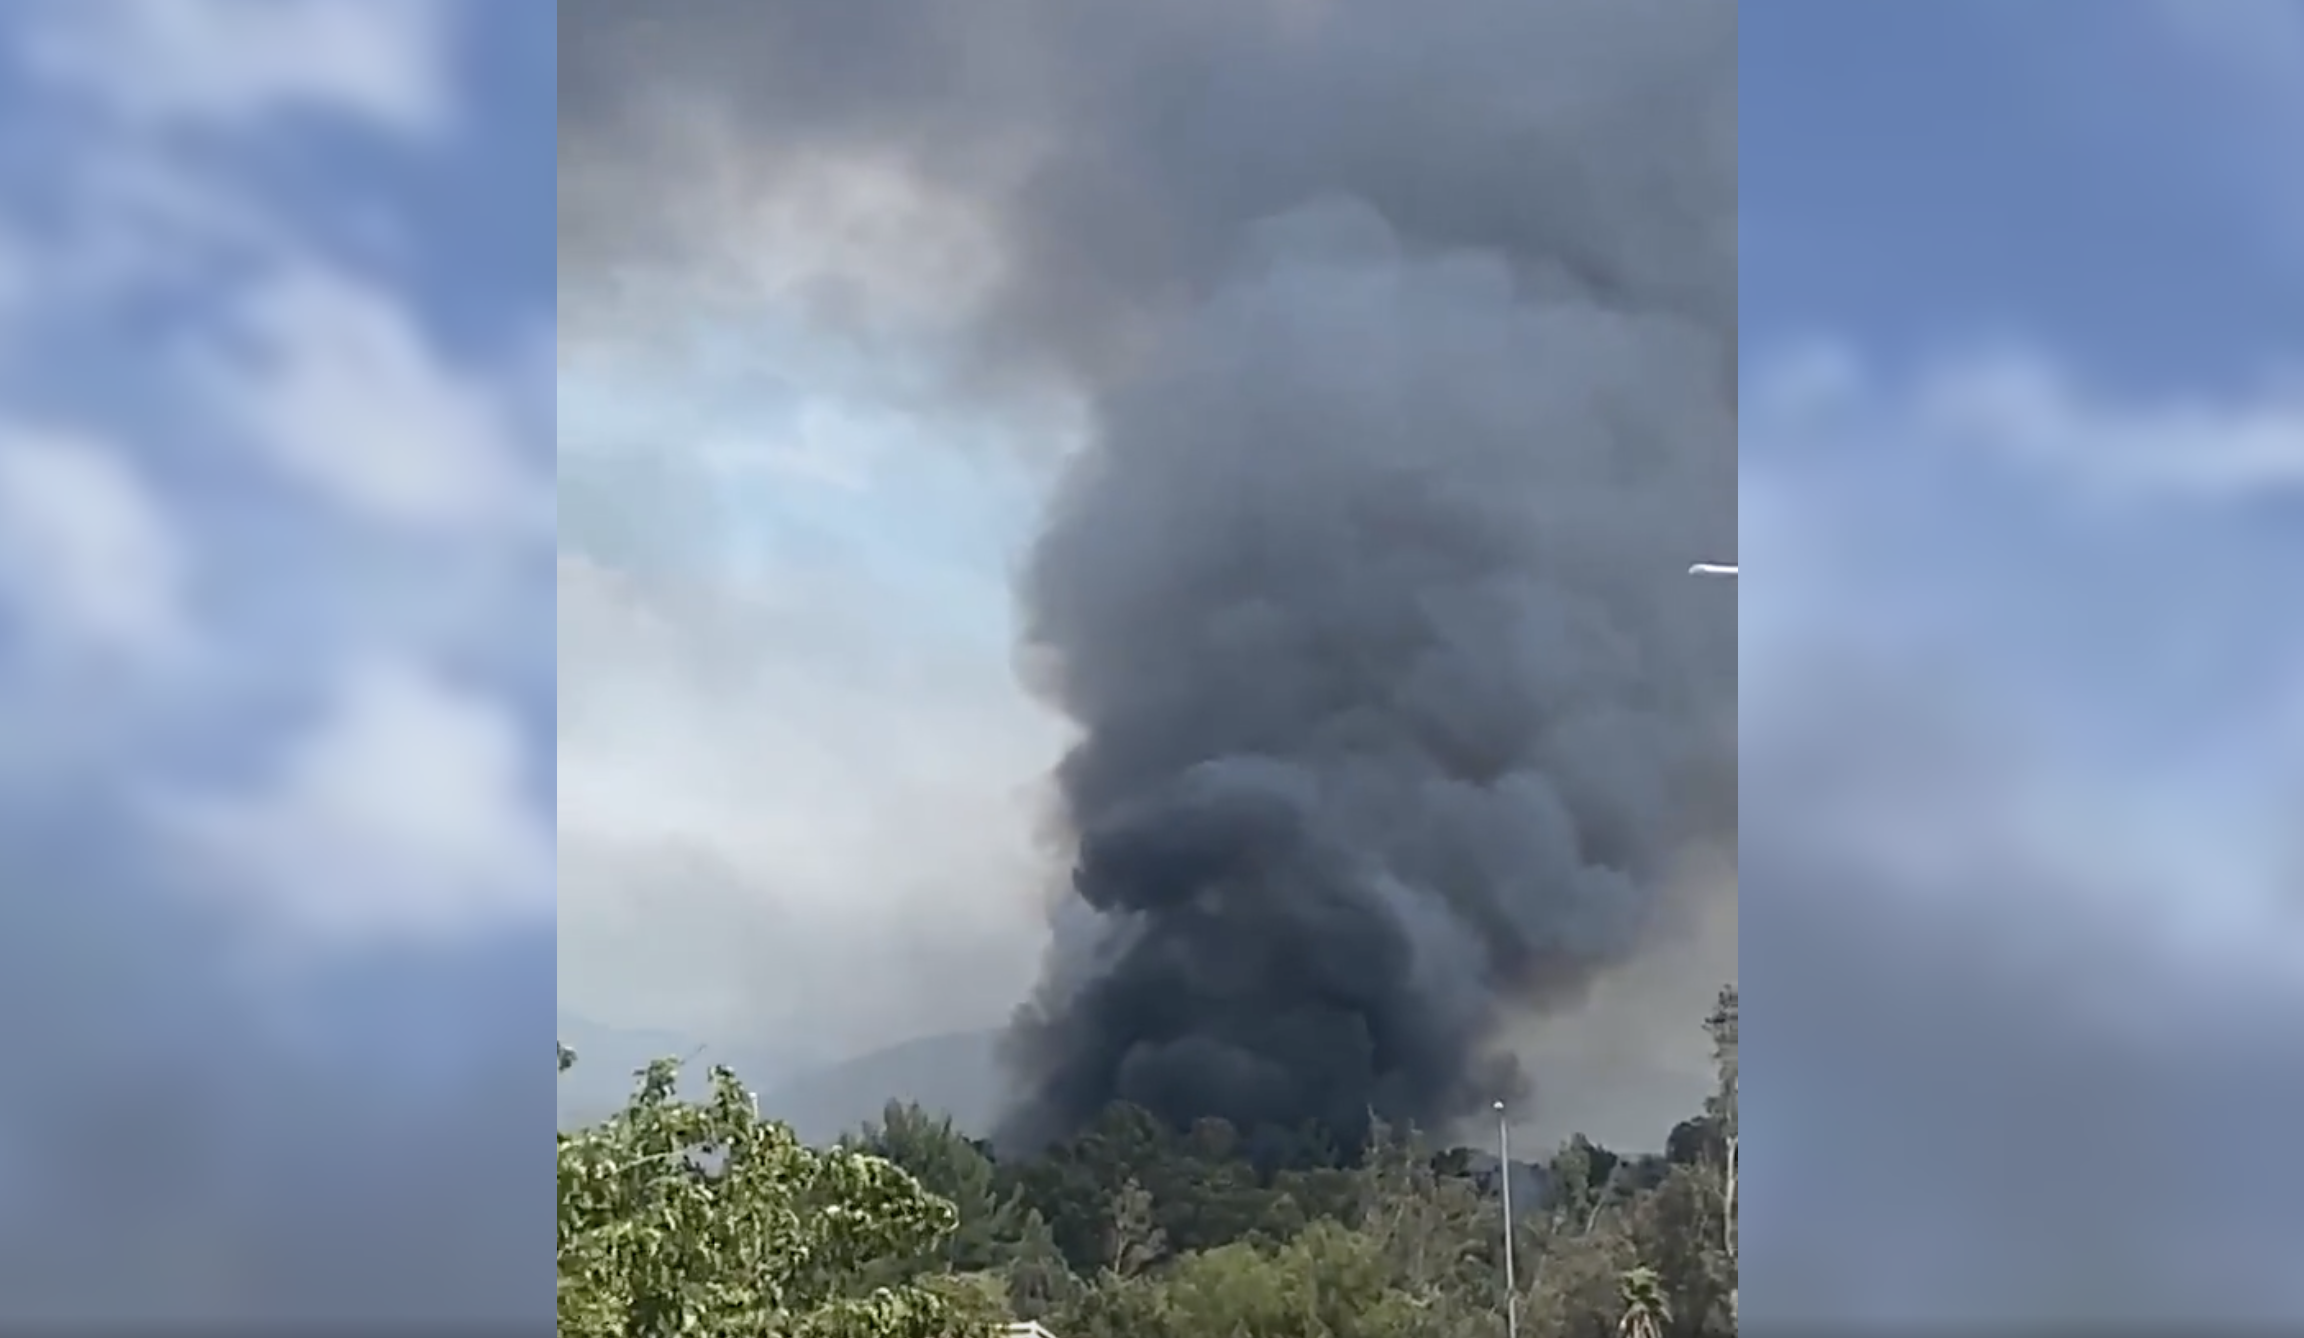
703, 1218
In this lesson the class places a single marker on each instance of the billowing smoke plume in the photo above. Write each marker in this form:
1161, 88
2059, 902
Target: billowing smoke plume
1407, 336
1397, 703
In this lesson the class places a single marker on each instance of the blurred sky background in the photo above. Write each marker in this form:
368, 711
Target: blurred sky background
2022, 675
275, 660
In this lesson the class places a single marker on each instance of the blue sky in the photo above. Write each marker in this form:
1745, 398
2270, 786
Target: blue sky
2036, 224
2023, 500
2140, 237
275, 658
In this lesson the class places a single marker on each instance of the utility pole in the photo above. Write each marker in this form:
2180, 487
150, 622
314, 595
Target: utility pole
1504, 1159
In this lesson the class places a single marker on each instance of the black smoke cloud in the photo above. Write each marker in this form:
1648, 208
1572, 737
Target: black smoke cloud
1121, 151
1407, 345
1395, 704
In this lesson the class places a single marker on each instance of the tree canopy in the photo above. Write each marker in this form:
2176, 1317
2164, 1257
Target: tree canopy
700, 1217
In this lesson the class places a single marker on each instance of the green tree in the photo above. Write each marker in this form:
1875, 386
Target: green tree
1117, 1307
1329, 1282
976, 1303
699, 1218
1137, 1242
1646, 1313
1574, 1284
1040, 1283
1436, 1233
1675, 1230
955, 1168
1076, 1185
1721, 1026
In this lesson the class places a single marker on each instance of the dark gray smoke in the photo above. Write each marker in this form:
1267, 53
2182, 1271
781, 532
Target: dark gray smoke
1407, 336
1397, 704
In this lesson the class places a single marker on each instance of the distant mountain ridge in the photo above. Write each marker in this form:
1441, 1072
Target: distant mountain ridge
607, 1058
959, 1074
956, 1074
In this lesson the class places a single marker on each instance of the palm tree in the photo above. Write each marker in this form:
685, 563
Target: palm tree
1646, 1311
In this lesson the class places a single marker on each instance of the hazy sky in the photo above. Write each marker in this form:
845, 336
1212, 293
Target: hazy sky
2022, 685
795, 763
275, 665
795, 766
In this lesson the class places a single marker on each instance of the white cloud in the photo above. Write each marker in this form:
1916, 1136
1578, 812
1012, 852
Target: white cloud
401, 813
1997, 911
2201, 448
2019, 408
306, 351
328, 351
1948, 728
823, 447
160, 63
85, 546
149, 219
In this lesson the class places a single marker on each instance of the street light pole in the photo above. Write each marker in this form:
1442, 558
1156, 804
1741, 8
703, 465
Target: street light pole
1511, 1284
1713, 569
